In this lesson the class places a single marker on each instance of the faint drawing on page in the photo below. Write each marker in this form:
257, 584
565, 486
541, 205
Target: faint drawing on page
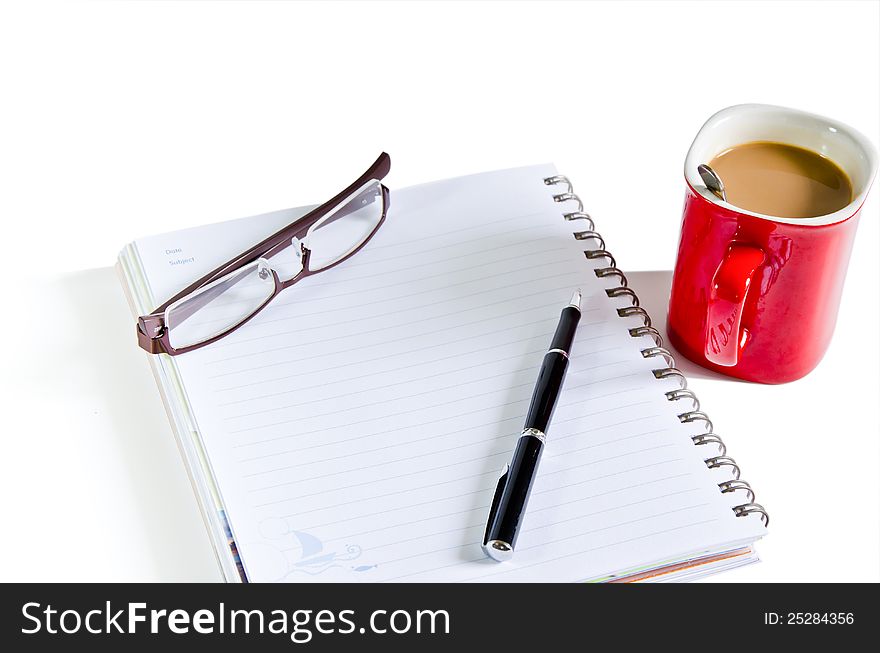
296, 552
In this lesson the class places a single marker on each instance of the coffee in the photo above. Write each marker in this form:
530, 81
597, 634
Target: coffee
782, 180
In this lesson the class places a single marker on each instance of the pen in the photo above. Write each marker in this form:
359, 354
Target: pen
513, 489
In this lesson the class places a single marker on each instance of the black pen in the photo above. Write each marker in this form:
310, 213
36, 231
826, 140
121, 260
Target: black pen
512, 493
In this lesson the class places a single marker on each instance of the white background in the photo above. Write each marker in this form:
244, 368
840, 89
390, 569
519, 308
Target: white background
121, 120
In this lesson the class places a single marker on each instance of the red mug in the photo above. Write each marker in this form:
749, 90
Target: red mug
756, 296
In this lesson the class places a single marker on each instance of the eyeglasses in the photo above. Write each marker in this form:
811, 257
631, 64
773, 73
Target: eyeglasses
227, 298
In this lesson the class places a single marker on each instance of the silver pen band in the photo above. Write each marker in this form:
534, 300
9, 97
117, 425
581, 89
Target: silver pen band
535, 433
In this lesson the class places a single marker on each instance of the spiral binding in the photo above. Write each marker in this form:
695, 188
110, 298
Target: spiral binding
682, 393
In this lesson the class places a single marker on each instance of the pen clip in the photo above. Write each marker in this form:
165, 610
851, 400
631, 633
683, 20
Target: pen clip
493, 509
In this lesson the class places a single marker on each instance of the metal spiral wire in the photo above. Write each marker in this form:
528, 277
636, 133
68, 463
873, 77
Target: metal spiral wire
694, 415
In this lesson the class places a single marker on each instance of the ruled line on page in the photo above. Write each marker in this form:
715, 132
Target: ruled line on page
518, 402
384, 431
482, 524
408, 311
304, 288
223, 306
430, 391
277, 349
556, 438
420, 364
557, 422
490, 472
288, 362
300, 419
371, 419
425, 470
377, 359
444, 482
486, 223
532, 510
527, 245
617, 543
477, 350
457, 513
602, 494
222, 303
640, 502
460, 325
263, 321
433, 501
534, 258
527, 356
664, 513
458, 447
300, 497
287, 301
482, 556
640, 468
273, 395
387, 342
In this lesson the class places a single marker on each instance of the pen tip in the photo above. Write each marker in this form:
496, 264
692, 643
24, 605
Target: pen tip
576, 299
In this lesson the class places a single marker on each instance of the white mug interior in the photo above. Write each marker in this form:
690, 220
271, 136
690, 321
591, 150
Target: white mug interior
745, 123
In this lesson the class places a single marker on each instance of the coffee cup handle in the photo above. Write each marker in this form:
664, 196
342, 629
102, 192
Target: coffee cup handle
725, 332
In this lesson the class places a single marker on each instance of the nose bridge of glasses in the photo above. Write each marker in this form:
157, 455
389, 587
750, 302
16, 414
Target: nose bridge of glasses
287, 259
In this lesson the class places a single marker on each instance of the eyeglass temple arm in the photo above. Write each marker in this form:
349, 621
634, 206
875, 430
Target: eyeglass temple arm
368, 196
196, 302
297, 229
282, 238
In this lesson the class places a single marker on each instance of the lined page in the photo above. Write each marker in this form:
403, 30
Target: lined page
358, 425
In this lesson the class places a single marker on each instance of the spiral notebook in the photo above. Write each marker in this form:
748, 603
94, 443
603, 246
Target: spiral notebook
356, 428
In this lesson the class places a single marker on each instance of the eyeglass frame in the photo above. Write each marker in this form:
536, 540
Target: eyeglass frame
152, 332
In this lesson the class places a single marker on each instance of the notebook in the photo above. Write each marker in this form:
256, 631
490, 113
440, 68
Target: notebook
356, 428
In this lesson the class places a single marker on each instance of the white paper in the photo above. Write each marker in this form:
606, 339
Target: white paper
357, 426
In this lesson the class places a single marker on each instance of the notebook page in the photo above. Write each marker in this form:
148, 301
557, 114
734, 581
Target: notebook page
357, 426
